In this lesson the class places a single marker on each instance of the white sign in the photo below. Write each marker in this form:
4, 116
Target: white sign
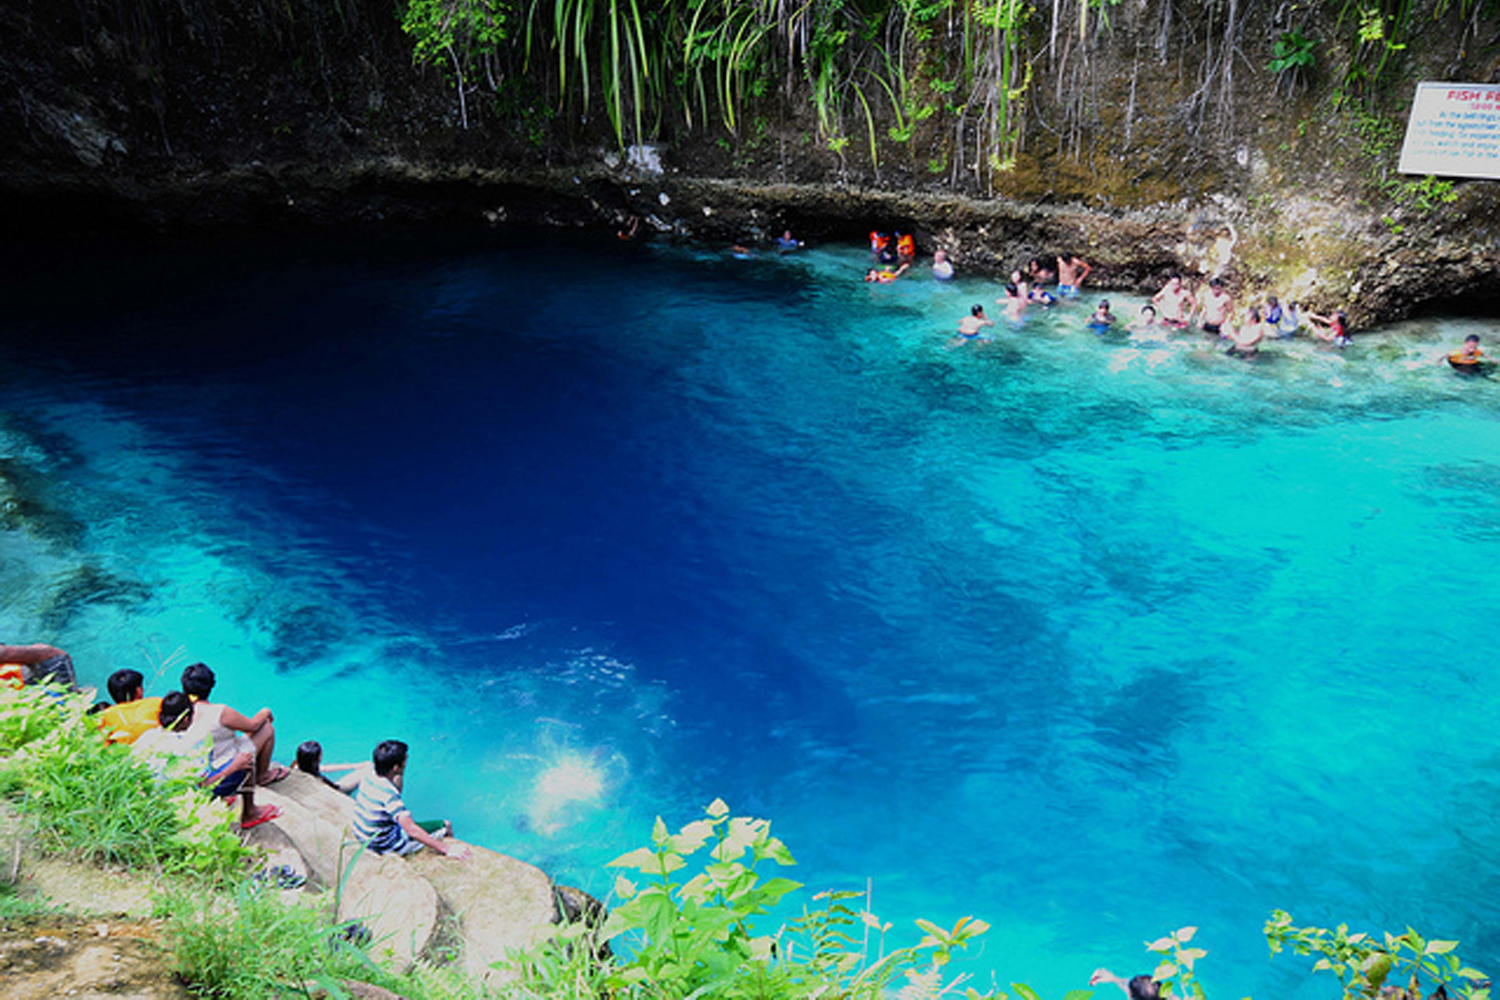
1453, 131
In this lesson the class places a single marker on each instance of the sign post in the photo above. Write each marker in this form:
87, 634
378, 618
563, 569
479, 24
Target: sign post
1453, 131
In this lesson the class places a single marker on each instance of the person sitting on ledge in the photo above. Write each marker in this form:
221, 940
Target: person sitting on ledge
230, 731
37, 663
1137, 988
132, 714
310, 761
381, 820
175, 738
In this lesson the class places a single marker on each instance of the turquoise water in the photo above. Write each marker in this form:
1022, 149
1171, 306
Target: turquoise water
1086, 637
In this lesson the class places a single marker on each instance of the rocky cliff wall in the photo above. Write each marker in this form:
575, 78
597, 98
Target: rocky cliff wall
1159, 144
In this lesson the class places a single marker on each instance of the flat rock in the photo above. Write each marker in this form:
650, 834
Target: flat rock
398, 905
501, 904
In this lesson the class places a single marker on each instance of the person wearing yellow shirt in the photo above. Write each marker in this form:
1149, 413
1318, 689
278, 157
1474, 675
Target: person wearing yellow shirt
132, 714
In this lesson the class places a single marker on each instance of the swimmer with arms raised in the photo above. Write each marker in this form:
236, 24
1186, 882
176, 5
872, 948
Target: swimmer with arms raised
1174, 303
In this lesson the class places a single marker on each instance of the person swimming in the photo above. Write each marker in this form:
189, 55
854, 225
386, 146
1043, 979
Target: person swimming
1247, 336
942, 267
970, 325
1332, 329
1102, 320
885, 276
1290, 321
1146, 323
785, 243
1469, 359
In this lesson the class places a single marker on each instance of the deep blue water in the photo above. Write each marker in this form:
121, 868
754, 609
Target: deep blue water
1087, 637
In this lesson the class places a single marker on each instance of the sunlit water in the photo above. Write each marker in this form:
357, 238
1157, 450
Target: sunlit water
1087, 637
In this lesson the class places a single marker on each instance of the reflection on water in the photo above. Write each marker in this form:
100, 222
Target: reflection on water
1091, 637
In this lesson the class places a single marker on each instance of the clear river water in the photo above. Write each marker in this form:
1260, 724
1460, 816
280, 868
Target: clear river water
1088, 637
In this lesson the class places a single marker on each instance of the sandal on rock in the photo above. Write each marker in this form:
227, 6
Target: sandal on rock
275, 773
267, 814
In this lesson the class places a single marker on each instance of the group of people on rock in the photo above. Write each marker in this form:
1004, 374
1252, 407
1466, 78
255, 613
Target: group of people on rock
231, 754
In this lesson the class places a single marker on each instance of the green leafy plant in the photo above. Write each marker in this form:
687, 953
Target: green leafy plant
1175, 970
699, 930
1364, 963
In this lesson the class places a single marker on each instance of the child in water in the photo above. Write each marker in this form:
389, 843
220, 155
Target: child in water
1102, 319
1145, 323
1332, 329
970, 325
1247, 336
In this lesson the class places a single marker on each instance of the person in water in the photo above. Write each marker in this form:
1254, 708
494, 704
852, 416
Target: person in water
884, 276
1015, 301
1332, 329
1041, 271
970, 325
1216, 308
942, 267
1102, 319
906, 247
785, 243
1071, 270
1248, 335
1470, 352
1145, 323
1290, 322
1174, 303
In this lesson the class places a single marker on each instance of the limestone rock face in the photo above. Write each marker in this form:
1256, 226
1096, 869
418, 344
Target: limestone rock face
501, 904
399, 906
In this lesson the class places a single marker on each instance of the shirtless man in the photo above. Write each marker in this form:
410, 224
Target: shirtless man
1249, 335
970, 325
1174, 303
1217, 306
1071, 270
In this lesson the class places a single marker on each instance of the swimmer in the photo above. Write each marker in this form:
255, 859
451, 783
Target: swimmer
1102, 319
1071, 270
1248, 336
942, 267
1469, 359
1145, 323
1042, 297
742, 252
906, 247
1175, 303
1331, 329
1273, 311
970, 325
1216, 308
1290, 321
1041, 272
785, 243
885, 276
1014, 302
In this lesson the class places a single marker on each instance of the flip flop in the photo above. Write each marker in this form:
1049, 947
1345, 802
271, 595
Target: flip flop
275, 773
267, 814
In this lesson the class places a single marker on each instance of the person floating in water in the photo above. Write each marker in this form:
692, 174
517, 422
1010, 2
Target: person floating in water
1248, 335
1469, 359
970, 325
1216, 307
906, 247
785, 243
942, 267
885, 276
1071, 270
1102, 320
1174, 303
1332, 329
742, 252
1041, 272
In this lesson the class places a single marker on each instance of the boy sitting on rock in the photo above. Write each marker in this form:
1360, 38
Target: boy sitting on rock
381, 819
